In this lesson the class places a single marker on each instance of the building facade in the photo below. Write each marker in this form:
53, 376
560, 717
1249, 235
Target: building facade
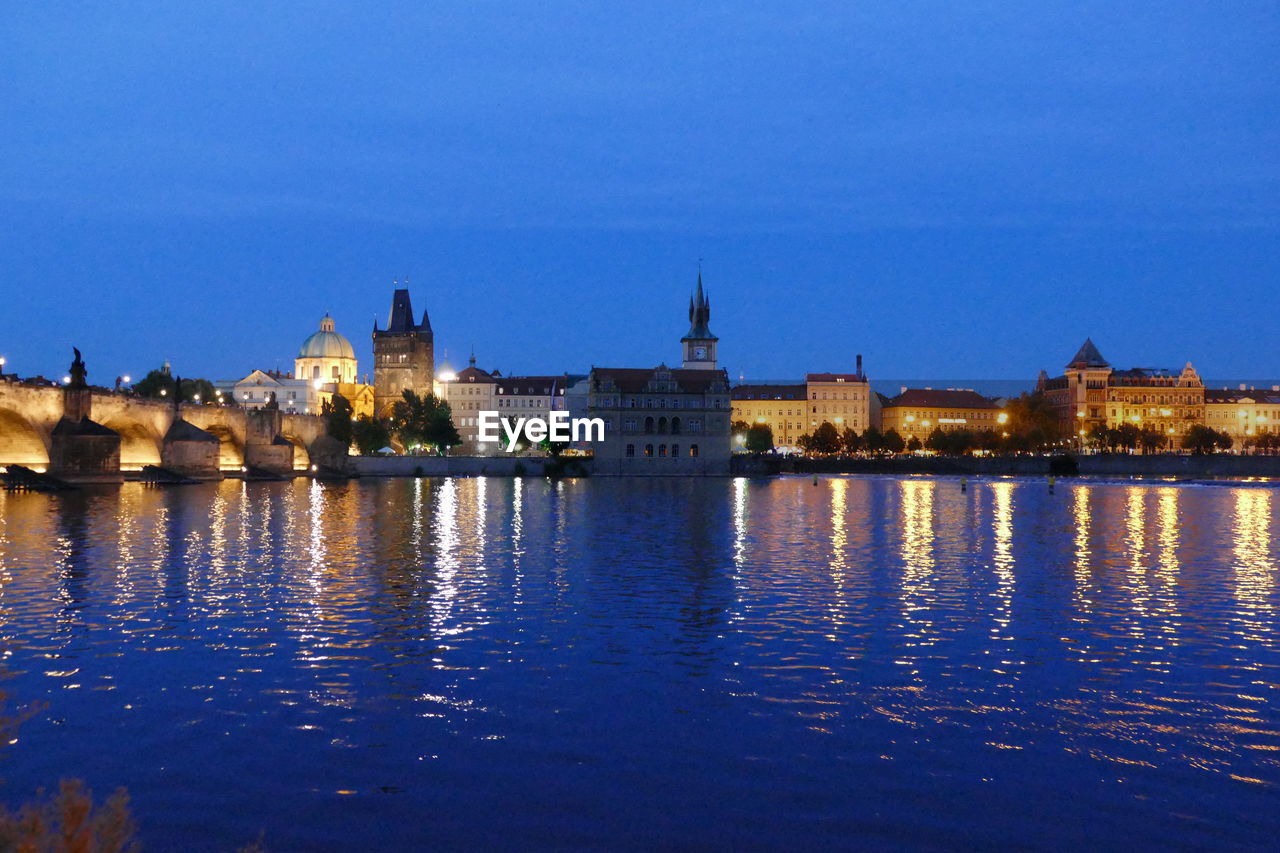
781, 407
1090, 394
919, 411
664, 421
294, 396
326, 356
403, 355
843, 399
468, 393
1244, 413
325, 365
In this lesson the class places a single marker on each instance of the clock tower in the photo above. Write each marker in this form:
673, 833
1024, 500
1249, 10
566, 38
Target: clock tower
699, 344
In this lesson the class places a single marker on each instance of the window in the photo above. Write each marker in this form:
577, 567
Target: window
662, 450
648, 450
648, 424
631, 450
675, 426
675, 451
629, 425
662, 425
693, 450
315, 371
335, 372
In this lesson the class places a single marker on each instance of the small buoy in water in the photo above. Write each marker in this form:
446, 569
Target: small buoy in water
964, 484
1052, 480
815, 479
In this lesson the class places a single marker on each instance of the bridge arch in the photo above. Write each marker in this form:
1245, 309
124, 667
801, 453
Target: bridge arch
22, 442
231, 449
301, 455
139, 444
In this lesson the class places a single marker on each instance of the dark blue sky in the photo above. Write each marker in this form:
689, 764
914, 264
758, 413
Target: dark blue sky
952, 189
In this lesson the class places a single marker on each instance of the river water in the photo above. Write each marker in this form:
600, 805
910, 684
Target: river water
710, 664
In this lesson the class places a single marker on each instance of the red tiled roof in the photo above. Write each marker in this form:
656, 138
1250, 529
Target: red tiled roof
768, 392
934, 398
635, 379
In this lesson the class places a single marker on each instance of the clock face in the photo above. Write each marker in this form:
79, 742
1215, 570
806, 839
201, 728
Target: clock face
699, 352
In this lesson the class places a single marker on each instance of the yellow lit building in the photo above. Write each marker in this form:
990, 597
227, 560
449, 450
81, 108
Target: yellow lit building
919, 411
781, 407
1243, 414
843, 399
1091, 393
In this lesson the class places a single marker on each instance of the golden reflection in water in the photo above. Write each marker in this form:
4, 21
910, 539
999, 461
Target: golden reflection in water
1002, 556
1137, 587
1253, 565
839, 544
739, 520
1081, 514
480, 507
1167, 567
517, 540
6, 577
917, 553
445, 589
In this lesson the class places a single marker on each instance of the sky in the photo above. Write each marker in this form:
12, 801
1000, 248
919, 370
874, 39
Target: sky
950, 189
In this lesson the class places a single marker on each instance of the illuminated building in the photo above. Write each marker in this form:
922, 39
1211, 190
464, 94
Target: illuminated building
468, 393
919, 411
843, 399
325, 365
780, 407
662, 420
1091, 393
1244, 413
403, 355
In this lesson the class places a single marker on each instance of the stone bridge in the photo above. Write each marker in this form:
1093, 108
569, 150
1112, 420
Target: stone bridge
29, 414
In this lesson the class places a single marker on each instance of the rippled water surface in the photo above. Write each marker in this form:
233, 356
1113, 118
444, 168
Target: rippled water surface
718, 664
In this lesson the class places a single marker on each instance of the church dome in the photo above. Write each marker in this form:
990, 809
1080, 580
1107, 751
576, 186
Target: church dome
326, 343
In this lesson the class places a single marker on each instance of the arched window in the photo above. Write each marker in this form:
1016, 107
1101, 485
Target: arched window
648, 424
693, 450
662, 425
662, 450
631, 450
315, 371
648, 450
336, 375
675, 451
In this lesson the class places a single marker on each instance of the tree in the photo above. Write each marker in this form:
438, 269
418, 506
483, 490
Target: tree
825, 439
893, 442
759, 438
370, 435
424, 422
1126, 436
1150, 439
337, 413
1032, 418
850, 441
914, 444
738, 431
873, 440
937, 441
161, 383
1200, 439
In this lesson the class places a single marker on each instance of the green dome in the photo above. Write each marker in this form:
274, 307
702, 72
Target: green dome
326, 343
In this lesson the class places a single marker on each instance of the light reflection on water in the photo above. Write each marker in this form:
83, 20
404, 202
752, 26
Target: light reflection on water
771, 663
